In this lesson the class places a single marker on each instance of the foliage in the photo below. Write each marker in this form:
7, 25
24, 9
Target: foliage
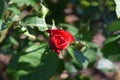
117, 8
23, 36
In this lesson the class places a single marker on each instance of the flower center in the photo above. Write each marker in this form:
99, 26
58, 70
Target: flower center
61, 42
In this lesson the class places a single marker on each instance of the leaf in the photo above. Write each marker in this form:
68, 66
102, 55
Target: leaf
26, 32
111, 39
2, 7
22, 72
81, 59
61, 66
45, 70
78, 56
24, 63
35, 47
70, 67
14, 10
44, 11
71, 52
111, 50
72, 29
1, 24
114, 26
33, 55
13, 62
12, 73
91, 45
35, 21
24, 2
14, 41
105, 65
117, 2
90, 54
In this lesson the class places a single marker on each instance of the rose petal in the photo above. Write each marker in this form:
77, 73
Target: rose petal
59, 39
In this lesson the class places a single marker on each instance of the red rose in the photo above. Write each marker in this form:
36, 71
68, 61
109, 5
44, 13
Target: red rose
59, 39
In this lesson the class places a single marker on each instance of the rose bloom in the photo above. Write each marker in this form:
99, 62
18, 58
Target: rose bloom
59, 39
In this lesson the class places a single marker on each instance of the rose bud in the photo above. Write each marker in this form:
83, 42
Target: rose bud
59, 39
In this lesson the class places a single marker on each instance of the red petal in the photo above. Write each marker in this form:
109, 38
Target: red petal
70, 37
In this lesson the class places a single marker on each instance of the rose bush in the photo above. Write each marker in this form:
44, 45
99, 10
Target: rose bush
24, 53
59, 39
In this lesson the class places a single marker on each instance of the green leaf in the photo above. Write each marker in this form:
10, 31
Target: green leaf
70, 67
24, 2
78, 56
71, 52
22, 72
44, 11
117, 2
105, 65
14, 10
111, 49
35, 47
2, 7
111, 39
26, 32
91, 45
1, 24
61, 66
81, 58
35, 21
114, 26
14, 61
24, 62
30, 56
72, 29
45, 70
33, 55
12, 74
13, 40
90, 54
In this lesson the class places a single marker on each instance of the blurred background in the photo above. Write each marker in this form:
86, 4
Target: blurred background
93, 23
